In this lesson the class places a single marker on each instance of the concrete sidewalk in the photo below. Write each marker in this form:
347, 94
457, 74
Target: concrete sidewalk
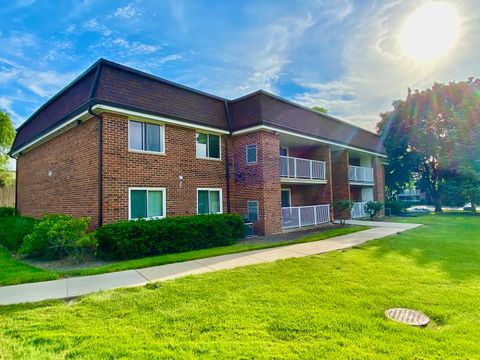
76, 286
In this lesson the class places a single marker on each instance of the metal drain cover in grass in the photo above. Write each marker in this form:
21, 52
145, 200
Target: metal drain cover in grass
407, 316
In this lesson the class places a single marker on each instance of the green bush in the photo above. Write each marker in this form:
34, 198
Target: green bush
134, 239
373, 208
397, 207
13, 229
58, 237
342, 210
7, 211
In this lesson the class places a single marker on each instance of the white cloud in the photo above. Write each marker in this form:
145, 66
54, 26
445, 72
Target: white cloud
376, 70
94, 25
6, 104
126, 12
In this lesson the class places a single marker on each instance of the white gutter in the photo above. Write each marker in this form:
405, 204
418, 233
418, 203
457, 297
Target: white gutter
271, 128
50, 133
157, 118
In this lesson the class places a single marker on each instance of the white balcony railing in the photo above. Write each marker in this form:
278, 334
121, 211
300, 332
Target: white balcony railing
296, 217
360, 174
358, 210
291, 167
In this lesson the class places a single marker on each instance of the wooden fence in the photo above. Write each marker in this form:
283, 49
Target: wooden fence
7, 196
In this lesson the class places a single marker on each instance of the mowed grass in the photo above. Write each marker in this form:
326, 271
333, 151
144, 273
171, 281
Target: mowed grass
13, 271
325, 306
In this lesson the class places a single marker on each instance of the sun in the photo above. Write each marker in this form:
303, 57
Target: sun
430, 32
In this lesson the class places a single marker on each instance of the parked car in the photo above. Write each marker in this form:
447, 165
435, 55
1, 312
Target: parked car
419, 209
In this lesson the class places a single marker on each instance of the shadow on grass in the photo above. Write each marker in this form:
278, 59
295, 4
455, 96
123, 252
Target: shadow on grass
450, 241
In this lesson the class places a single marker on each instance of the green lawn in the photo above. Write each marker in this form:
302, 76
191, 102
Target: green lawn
16, 272
325, 306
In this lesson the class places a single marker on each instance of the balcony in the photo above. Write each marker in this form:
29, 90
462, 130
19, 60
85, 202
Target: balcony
358, 210
297, 170
300, 216
360, 174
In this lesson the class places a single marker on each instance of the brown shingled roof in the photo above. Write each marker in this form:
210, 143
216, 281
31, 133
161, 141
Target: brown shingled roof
123, 87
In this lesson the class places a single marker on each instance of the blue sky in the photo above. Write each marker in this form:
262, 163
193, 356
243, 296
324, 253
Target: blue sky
343, 55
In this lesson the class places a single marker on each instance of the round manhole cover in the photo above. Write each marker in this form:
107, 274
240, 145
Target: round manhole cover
407, 316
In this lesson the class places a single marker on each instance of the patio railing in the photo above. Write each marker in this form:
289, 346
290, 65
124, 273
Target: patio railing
297, 168
358, 210
360, 174
300, 216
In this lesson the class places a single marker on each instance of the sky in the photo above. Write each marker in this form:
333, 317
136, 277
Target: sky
343, 55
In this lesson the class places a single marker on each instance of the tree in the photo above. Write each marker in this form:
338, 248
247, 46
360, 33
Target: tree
7, 134
431, 134
320, 109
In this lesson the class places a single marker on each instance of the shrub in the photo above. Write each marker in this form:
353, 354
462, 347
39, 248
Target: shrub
342, 210
133, 239
13, 229
397, 207
59, 236
373, 208
7, 211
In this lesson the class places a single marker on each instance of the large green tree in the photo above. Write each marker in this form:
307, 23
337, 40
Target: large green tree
7, 134
433, 136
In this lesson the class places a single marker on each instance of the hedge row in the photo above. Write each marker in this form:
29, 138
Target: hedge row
134, 239
13, 229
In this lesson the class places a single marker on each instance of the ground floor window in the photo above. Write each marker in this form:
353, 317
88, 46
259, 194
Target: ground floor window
209, 201
252, 210
146, 203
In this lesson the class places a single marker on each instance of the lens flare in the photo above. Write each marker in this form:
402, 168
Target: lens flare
430, 32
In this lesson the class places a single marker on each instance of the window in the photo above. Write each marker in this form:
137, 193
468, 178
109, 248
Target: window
209, 201
208, 146
252, 211
251, 153
286, 198
283, 151
145, 137
147, 203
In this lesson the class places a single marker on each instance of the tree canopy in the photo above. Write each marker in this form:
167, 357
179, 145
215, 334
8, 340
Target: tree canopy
7, 135
433, 137
320, 109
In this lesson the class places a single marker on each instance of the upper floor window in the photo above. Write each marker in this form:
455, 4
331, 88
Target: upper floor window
208, 146
251, 153
144, 136
147, 203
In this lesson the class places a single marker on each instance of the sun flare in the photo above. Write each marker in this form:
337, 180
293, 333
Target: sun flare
430, 32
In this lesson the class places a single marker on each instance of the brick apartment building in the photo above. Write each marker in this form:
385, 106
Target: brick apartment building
119, 144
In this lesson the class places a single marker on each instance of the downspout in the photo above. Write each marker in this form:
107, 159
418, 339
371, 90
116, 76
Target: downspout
227, 161
16, 185
100, 143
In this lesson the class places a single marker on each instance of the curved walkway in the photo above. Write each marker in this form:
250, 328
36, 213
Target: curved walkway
76, 286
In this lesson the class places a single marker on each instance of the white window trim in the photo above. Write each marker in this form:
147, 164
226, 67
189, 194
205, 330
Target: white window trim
286, 148
219, 145
246, 154
212, 189
164, 205
289, 195
163, 152
258, 210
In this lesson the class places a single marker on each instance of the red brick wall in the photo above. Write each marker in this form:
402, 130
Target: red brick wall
123, 169
340, 184
379, 176
260, 181
72, 187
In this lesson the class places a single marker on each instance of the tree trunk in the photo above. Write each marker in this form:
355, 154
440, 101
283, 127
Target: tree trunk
474, 207
437, 202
